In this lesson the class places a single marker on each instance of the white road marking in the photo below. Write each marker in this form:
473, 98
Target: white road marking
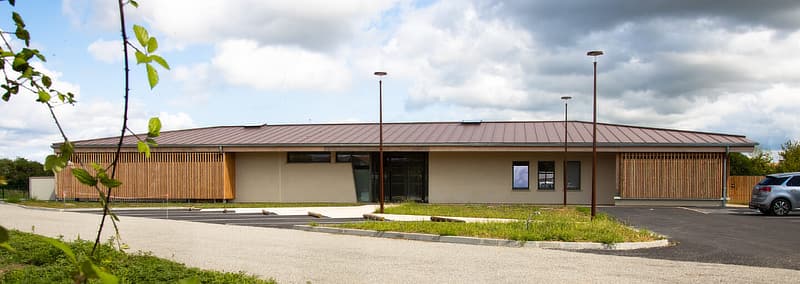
694, 210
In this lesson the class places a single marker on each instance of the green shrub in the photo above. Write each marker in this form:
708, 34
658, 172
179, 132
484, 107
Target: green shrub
36, 261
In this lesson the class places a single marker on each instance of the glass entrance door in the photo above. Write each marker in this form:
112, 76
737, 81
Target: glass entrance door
405, 177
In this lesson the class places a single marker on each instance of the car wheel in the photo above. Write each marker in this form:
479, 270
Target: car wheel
780, 207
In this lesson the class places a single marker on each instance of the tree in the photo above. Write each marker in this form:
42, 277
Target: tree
761, 163
740, 164
758, 164
16, 172
790, 157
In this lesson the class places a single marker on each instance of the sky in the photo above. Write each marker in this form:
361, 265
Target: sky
699, 65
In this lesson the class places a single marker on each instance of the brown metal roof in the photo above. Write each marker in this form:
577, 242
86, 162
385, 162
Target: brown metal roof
522, 133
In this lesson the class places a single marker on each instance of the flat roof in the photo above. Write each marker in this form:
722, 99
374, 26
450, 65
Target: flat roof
492, 133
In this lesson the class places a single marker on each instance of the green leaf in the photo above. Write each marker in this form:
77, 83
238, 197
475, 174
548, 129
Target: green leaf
19, 64
134, 3
63, 247
152, 76
109, 182
43, 97
3, 235
47, 81
154, 127
160, 61
151, 142
143, 148
84, 177
141, 35
142, 58
12, 2
152, 45
17, 19
24, 35
4, 239
54, 163
66, 150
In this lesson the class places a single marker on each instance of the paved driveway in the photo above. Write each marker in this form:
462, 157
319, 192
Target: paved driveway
293, 256
238, 219
717, 235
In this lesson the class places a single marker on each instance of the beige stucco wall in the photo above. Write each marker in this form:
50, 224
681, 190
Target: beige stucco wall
268, 177
42, 188
480, 177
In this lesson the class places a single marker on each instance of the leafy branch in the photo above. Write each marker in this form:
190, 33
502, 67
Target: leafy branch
23, 75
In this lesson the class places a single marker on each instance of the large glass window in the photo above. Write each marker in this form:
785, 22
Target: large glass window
547, 175
520, 174
574, 175
309, 157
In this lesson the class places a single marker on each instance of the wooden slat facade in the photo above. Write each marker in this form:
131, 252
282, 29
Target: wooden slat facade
740, 188
676, 176
165, 175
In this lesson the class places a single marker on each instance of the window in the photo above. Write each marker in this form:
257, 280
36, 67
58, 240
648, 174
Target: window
773, 180
574, 175
344, 157
795, 181
520, 174
547, 175
309, 157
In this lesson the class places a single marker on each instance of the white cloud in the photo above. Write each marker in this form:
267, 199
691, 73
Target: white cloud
244, 62
28, 129
108, 51
317, 24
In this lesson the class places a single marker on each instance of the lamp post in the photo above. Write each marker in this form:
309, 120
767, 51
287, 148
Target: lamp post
566, 103
594, 54
380, 74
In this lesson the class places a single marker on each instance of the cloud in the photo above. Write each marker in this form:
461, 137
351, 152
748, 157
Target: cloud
107, 51
244, 62
313, 25
28, 129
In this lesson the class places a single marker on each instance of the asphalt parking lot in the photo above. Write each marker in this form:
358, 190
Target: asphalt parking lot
238, 219
716, 235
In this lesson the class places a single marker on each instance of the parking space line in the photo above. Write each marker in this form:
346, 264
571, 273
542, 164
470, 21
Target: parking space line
695, 210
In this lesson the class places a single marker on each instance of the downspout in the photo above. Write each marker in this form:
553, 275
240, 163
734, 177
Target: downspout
725, 177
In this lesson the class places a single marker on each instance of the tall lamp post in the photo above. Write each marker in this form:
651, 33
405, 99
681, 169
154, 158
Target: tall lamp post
566, 100
380, 75
594, 54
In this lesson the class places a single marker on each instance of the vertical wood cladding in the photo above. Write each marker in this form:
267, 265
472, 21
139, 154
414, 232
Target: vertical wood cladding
671, 175
165, 175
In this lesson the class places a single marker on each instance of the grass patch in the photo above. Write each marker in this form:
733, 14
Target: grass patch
572, 224
115, 204
38, 262
508, 211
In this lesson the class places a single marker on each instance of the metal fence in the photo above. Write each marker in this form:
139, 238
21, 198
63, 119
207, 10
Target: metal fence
6, 193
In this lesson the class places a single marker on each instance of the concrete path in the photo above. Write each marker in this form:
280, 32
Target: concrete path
332, 212
401, 218
292, 256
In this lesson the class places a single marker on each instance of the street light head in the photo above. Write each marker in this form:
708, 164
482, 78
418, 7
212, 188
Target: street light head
594, 53
380, 73
566, 98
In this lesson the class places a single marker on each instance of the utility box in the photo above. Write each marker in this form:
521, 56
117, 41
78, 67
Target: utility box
42, 188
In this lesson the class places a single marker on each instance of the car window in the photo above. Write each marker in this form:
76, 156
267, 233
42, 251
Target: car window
795, 181
773, 181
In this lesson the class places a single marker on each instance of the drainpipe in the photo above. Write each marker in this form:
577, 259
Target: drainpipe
725, 177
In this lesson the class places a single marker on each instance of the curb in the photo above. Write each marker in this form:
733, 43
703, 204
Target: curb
373, 217
446, 219
484, 241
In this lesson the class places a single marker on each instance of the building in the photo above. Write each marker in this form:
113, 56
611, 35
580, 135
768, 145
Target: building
436, 162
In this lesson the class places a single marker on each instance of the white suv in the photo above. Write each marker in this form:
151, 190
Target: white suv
777, 194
